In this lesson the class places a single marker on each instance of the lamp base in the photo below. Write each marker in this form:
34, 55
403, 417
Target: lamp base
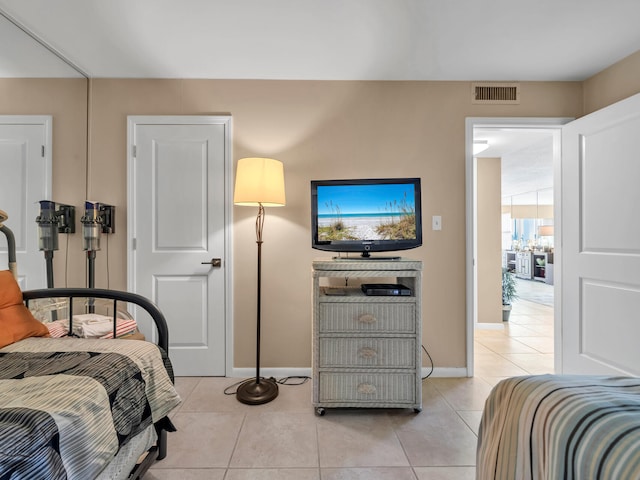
257, 393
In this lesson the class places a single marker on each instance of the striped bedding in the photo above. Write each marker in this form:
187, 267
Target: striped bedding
561, 427
68, 405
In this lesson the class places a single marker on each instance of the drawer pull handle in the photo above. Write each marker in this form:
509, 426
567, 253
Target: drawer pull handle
367, 318
366, 389
367, 352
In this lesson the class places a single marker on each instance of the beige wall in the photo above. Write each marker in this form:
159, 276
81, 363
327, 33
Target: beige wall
617, 82
489, 240
319, 129
529, 211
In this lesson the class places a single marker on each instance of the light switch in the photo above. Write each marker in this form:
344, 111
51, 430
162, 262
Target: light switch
436, 222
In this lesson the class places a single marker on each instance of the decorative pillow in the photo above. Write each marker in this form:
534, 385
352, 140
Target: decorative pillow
16, 321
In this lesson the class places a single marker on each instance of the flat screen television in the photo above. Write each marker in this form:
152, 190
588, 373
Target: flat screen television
366, 215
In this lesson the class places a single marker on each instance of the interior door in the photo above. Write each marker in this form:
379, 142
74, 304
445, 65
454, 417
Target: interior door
178, 227
600, 235
25, 179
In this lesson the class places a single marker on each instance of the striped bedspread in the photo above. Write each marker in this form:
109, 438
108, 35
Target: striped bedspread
561, 427
68, 405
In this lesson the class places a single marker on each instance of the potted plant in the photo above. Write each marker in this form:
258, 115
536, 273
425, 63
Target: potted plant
508, 293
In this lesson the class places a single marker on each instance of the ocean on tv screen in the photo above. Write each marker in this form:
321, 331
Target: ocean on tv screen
366, 212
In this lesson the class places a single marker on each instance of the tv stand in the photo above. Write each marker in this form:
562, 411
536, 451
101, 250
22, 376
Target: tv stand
366, 349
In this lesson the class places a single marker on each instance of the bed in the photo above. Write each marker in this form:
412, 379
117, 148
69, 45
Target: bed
77, 408
561, 427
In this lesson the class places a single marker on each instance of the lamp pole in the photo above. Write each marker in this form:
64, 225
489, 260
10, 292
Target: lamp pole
259, 390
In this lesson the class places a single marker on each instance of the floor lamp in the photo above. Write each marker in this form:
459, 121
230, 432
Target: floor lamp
259, 183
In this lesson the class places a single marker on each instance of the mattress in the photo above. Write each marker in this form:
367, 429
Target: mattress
561, 427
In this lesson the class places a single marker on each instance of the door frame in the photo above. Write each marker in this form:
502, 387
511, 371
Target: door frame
132, 122
552, 123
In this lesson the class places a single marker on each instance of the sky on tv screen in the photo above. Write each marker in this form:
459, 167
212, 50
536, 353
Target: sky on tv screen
380, 199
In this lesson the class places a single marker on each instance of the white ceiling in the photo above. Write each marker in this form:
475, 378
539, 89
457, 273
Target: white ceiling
537, 40
526, 162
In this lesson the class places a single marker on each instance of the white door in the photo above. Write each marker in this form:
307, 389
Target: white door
25, 179
600, 235
179, 218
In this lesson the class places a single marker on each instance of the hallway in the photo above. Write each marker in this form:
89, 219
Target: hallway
525, 345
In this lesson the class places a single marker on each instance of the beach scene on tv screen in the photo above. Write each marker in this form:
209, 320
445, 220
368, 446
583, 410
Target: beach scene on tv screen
366, 212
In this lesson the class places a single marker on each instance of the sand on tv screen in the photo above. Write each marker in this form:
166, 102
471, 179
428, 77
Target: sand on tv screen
366, 212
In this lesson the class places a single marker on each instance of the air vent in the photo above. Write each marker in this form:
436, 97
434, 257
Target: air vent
495, 93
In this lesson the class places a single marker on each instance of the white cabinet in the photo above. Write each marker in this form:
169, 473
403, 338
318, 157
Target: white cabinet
366, 349
543, 267
509, 260
524, 268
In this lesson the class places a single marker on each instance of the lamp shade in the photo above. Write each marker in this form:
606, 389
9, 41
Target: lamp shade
545, 231
259, 181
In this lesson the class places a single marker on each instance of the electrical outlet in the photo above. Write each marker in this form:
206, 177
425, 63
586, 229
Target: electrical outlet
436, 222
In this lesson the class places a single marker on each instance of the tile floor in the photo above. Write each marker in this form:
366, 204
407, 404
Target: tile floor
219, 438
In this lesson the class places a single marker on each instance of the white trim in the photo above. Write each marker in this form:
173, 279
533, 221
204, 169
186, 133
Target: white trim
277, 373
227, 121
487, 122
306, 372
557, 254
489, 326
446, 372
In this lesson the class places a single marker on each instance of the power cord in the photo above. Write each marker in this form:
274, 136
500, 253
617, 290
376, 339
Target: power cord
108, 274
431, 360
66, 263
299, 380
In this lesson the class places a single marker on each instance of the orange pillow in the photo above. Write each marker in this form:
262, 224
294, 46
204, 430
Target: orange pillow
16, 321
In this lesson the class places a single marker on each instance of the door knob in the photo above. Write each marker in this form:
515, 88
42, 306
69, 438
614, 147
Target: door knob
215, 262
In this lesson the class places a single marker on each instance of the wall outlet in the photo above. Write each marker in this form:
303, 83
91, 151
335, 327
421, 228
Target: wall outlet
436, 222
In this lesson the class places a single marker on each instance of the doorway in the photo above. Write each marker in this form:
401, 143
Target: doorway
518, 142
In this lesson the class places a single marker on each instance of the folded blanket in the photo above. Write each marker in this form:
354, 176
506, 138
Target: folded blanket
92, 326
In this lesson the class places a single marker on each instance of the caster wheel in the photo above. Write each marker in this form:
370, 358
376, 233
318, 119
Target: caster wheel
417, 410
320, 411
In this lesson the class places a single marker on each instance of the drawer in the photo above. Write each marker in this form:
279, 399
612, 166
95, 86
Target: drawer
367, 317
367, 352
367, 387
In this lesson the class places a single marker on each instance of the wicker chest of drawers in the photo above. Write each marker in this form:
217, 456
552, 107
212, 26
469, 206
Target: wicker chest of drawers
366, 349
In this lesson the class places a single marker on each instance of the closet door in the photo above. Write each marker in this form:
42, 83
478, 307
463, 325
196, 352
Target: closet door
179, 186
25, 179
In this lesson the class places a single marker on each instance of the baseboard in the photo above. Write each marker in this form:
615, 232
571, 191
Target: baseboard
445, 372
489, 326
278, 373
